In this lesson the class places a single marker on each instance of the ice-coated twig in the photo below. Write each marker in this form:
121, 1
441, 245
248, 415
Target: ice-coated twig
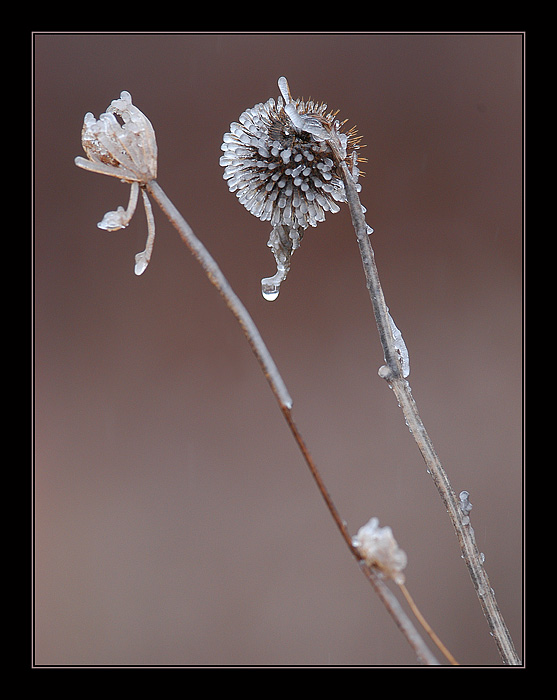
245, 146
218, 279
393, 374
279, 389
142, 259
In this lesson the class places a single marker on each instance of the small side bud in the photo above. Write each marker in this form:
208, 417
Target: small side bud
379, 550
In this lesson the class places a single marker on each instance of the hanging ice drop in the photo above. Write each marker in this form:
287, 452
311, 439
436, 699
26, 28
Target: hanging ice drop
283, 242
141, 262
269, 288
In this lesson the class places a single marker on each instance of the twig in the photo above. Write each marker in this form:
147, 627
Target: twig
218, 279
280, 391
391, 372
426, 626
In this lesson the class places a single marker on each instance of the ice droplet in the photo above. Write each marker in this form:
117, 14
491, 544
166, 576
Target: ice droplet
141, 262
269, 289
465, 505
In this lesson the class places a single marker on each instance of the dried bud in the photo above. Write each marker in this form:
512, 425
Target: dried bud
380, 550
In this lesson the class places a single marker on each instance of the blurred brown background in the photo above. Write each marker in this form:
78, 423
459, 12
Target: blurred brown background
176, 522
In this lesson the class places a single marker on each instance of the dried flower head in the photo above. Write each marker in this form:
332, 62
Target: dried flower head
282, 161
125, 148
380, 550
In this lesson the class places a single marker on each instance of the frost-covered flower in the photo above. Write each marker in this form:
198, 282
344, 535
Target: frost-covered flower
125, 148
281, 159
380, 550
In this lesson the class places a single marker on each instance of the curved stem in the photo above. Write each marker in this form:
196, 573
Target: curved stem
217, 278
280, 391
378, 584
392, 374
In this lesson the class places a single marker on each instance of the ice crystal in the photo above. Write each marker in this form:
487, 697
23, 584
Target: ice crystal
380, 550
280, 162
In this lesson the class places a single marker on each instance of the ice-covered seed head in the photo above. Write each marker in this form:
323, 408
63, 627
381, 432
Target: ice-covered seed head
281, 159
278, 163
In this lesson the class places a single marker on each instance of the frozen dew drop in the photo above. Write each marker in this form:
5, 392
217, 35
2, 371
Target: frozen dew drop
465, 505
269, 289
141, 263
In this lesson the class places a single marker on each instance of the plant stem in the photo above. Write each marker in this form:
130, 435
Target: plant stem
280, 391
426, 626
393, 375
382, 590
218, 279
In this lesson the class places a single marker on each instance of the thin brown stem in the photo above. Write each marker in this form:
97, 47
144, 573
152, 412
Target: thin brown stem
280, 391
393, 375
424, 623
389, 600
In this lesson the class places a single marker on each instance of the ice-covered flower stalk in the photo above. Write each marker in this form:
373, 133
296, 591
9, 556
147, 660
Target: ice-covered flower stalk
121, 143
281, 160
380, 550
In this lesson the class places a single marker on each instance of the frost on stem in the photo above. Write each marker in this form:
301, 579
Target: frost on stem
400, 347
121, 143
379, 550
465, 506
279, 160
